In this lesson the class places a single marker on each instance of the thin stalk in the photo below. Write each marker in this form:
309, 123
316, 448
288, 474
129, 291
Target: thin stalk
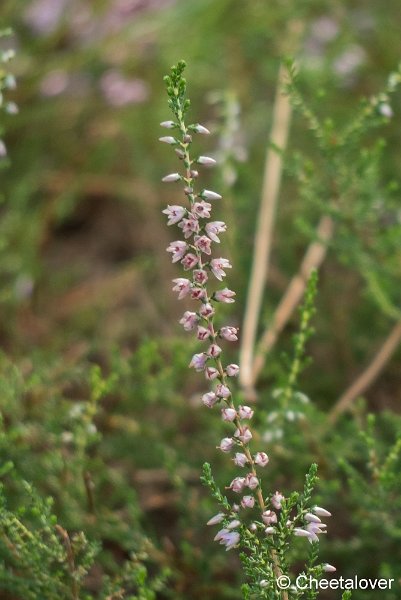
264, 235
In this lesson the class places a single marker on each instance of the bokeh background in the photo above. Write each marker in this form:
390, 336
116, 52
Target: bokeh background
85, 280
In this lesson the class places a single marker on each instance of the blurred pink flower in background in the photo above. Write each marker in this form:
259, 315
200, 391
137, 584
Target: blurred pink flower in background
120, 91
44, 16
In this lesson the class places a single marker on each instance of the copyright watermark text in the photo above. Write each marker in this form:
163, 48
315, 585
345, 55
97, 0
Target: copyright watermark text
307, 582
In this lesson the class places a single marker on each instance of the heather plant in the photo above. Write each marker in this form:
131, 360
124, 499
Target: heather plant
103, 428
262, 525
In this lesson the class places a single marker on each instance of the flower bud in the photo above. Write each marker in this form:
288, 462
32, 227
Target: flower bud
240, 459
261, 459
207, 161
252, 481
189, 320
223, 391
237, 484
248, 502
214, 351
200, 129
277, 498
226, 296
168, 124
171, 177
228, 414
216, 519
209, 195
269, 517
209, 399
329, 568
312, 518
321, 512
245, 412
211, 373
226, 444
232, 371
229, 334
206, 310
198, 361
245, 435
233, 524
168, 139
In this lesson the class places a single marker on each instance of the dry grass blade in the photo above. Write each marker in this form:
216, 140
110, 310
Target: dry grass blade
365, 380
313, 258
264, 234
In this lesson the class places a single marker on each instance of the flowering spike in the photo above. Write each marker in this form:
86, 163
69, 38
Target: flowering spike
196, 253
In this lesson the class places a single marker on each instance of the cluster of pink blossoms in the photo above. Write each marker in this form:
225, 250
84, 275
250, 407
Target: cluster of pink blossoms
194, 252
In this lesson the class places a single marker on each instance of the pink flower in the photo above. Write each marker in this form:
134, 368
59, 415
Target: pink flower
171, 177
252, 481
198, 361
209, 399
223, 391
245, 412
202, 209
218, 265
228, 538
189, 320
174, 213
214, 228
189, 261
211, 373
228, 414
232, 371
209, 195
245, 435
261, 459
248, 502
277, 498
226, 444
237, 484
204, 244
206, 310
178, 250
229, 333
214, 351
200, 276
269, 517
202, 333
329, 568
225, 295
189, 226
216, 519
198, 294
182, 286
269, 530
240, 459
